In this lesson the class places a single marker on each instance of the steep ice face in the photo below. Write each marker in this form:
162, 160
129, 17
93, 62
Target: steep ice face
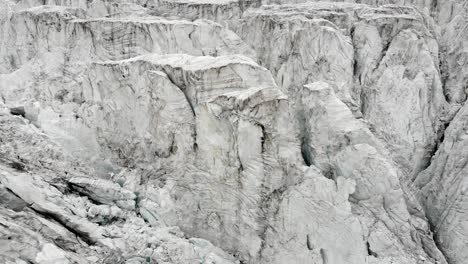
194, 131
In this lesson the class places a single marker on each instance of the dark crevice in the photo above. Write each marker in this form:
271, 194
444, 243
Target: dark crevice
184, 91
434, 7
194, 136
17, 166
74, 188
433, 228
190, 34
435, 149
356, 74
309, 243
369, 251
83, 235
18, 111
25, 260
306, 153
385, 50
443, 72
138, 199
355, 61
263, 138
173, 148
